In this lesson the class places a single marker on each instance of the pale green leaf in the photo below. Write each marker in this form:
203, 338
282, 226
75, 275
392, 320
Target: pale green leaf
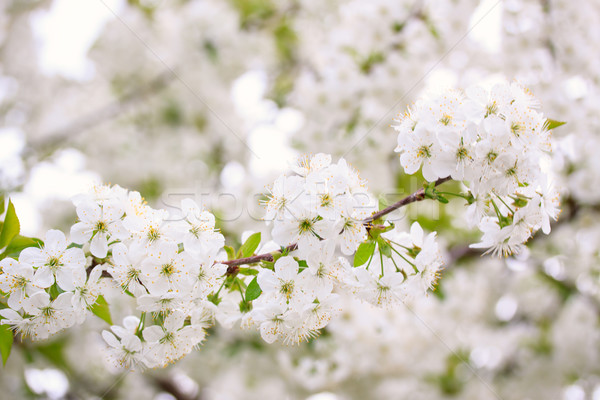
250, 245
253, 290
6, 341
101, 310
11, 226
364, 253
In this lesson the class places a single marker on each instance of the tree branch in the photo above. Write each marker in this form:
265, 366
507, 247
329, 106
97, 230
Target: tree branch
416, 196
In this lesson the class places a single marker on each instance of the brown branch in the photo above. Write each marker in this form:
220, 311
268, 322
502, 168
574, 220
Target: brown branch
254, 259
416, 196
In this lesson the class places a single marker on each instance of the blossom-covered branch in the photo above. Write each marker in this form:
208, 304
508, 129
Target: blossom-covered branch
327, 238
414, 197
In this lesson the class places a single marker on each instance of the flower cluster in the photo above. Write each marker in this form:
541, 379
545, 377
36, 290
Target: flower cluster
172, 264
48, 288
166, 262
498, 144
321, 201
403, 266
298, 300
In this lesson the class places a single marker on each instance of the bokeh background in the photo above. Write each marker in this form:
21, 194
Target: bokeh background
212, 98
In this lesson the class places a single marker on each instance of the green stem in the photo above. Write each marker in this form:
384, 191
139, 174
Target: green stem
462, 196
404, 258
503, 202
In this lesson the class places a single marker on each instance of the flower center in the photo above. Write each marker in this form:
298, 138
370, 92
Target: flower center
424, 151
47, 312
325, 200
462, 153
446, 119
305, 226
516, 128
100, 226
287, 288
168, 269
321, 270
491, 108
153, 235
53, 263
168, 338
20, 282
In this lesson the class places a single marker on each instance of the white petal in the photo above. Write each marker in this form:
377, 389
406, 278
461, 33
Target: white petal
153, 333
89, 212
286, 268
55, 240
99, 246
81, 232
111, 339
43, 277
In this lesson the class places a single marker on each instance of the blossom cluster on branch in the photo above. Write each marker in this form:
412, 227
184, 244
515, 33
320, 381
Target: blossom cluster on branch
183, 278
498, 144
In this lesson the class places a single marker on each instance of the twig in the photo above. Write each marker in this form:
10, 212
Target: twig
416, 196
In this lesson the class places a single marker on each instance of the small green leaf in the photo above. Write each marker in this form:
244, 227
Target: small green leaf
384, 247
6, 341
364, 253
101, 310
11, 226
1, 203
230, 252
551, 124
55, 291
247, 271
19, 243
253, 290
250, 245
429, 190
442, 199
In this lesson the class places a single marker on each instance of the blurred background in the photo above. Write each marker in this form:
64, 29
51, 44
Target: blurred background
212, 98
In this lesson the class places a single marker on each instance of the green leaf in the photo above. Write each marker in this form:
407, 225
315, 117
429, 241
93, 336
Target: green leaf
1, 203
364, 253
253, 290
247, 271
19, 243
11, 226
6, 341
442, 199
429, 190
384, 247
55, 291
230, 252
101, 310
250, 245
551, 124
